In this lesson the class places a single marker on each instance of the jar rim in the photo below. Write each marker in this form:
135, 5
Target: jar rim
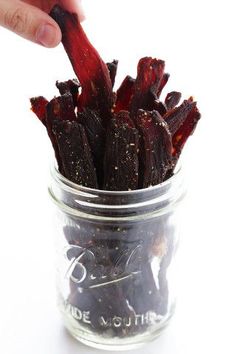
89, 203
76, 188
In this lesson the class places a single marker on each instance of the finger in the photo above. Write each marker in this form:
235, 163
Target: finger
74, 6
29, 22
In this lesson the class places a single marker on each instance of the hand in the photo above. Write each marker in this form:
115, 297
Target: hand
30, 19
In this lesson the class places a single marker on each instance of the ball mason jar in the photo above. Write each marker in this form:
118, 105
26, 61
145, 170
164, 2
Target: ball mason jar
116, 268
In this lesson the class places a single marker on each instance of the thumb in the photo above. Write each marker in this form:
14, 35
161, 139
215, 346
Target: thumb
29, 22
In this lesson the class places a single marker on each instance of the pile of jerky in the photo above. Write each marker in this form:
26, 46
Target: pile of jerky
122, 140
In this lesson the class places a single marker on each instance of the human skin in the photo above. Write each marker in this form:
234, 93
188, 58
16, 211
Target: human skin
30, 19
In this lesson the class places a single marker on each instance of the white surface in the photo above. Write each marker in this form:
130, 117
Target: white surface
197, 40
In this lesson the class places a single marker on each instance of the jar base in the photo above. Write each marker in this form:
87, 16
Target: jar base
116, 344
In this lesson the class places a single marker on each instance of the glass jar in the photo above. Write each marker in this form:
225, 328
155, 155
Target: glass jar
115, 268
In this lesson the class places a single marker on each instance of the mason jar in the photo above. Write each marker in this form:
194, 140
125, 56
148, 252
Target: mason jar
116, 272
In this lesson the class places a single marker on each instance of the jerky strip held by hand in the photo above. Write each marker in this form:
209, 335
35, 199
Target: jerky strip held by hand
90, 69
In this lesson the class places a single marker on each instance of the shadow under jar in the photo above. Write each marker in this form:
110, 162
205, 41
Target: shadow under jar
115, 266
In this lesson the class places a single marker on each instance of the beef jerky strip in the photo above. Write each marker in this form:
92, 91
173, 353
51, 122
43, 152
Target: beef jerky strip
162, 84
123, 117
90, 69
156, 148
96, 136
61, 108
112, 67
160, 107
187, 128
124, 95
75, 153
121, 156
149, 78
181, 136
172, 99
176, 117
38, 106
70, 86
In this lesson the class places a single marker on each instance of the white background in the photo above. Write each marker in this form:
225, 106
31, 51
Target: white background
197, 40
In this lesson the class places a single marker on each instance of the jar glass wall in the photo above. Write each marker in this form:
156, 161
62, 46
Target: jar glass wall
116, 260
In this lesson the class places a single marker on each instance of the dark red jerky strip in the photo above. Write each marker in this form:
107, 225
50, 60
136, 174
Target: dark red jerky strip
121, 157
90, 69
124, 95
75, 153
172, 99
160, 107
181, 136
38, 106
162, 84
147, 83
62, 108
186, 129
155, 148
176, 117
96, 135
112, 67
70, 86
123, 117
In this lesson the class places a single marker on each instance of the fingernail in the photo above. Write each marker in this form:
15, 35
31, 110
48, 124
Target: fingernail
81, 15
47, 35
